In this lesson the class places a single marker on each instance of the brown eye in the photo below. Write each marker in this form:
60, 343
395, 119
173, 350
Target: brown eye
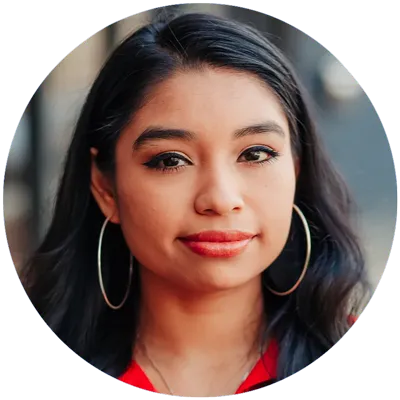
167, 161
257, 154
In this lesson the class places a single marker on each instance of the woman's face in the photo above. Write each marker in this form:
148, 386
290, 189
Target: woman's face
209, 153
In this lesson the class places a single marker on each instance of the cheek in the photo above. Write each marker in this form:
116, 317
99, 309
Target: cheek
150, 212
274, 206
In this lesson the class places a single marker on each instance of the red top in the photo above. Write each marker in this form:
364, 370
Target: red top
262, 374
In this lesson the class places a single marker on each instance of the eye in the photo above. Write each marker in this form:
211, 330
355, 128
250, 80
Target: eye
168, 161
258, 155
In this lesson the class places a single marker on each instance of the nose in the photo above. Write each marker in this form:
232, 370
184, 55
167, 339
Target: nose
219, 194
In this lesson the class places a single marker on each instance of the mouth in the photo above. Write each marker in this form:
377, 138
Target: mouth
218, 244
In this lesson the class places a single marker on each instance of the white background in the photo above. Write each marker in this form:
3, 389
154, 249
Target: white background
33, 33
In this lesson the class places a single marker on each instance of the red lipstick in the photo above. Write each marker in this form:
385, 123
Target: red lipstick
218, 243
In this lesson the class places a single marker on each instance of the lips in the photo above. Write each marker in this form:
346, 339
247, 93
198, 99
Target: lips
218, 243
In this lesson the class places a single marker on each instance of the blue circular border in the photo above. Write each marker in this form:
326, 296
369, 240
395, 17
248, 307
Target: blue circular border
340, 352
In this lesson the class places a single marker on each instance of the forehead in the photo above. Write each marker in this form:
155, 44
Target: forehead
216, 99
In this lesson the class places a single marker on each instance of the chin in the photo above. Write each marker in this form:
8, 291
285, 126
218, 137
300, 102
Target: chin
225, 280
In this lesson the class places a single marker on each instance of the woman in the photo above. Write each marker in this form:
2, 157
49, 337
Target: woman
201, 243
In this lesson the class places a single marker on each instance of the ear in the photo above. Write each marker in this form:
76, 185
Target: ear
102, 190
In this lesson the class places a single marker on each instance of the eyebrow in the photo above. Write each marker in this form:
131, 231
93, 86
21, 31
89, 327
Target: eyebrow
160, 133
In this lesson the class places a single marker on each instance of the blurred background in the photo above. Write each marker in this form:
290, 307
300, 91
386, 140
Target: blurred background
347, 121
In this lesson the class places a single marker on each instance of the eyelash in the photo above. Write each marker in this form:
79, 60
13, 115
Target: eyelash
152, 164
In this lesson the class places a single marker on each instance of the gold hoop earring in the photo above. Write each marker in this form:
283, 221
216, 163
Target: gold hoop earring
307, 259
101, 275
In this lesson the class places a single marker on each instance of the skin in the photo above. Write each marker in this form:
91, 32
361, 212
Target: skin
195, 308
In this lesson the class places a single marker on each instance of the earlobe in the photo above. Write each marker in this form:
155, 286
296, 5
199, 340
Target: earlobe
102, 191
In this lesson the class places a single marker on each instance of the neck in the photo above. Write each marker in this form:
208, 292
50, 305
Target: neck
212, 326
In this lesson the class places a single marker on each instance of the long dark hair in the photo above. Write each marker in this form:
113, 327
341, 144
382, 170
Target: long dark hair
61, 276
